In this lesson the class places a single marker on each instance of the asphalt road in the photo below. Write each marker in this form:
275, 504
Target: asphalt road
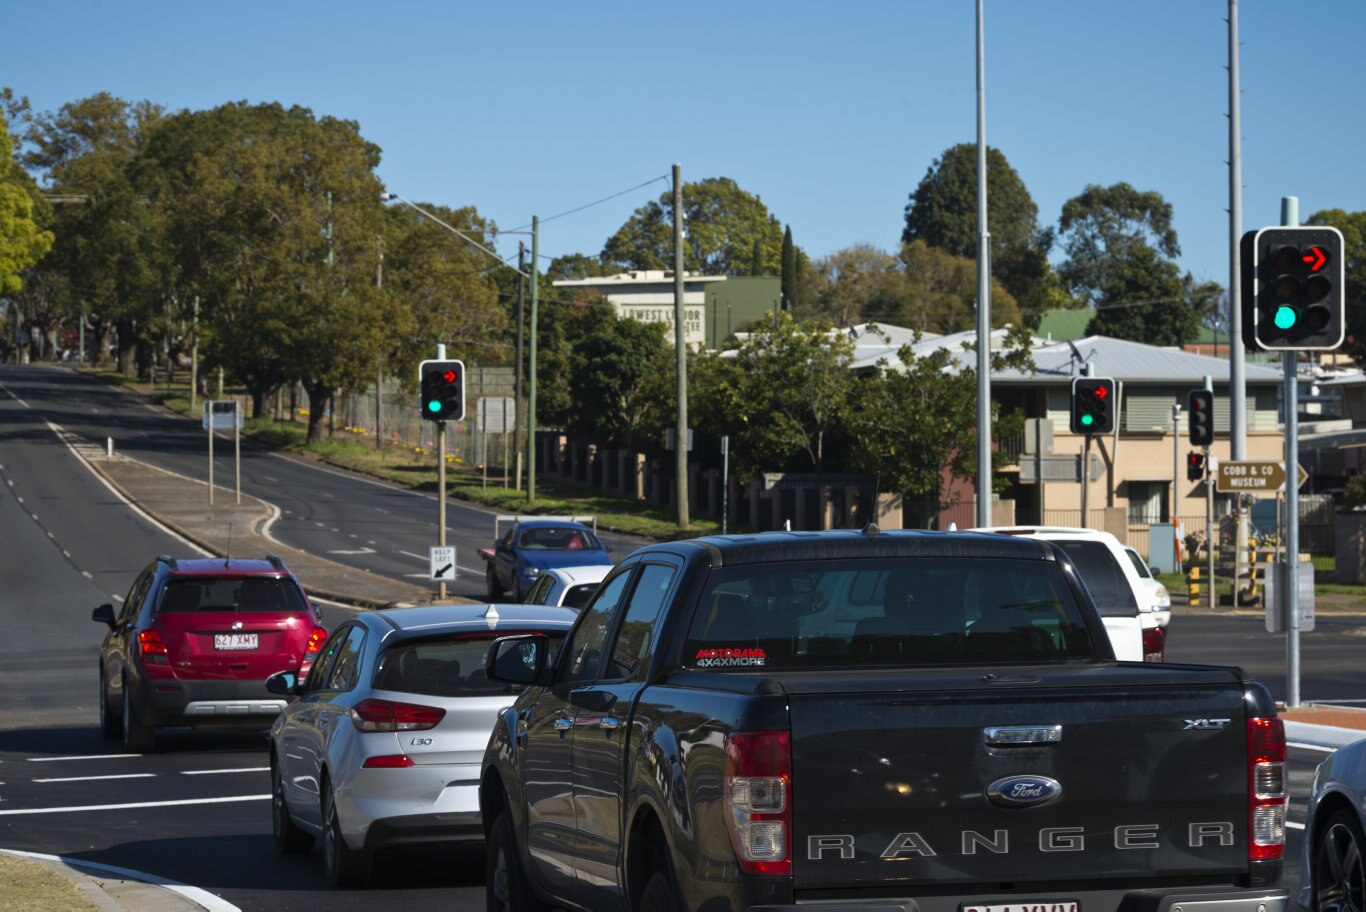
196, 811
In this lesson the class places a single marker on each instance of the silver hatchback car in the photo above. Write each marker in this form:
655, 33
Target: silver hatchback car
382, 745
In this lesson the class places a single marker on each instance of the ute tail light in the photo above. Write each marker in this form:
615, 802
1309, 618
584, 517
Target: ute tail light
758, 796
1266, 795
389, 716
1154, 645
153, 650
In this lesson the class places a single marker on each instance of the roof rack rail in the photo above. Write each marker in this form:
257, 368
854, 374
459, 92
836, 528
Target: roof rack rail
275, 561
167, 560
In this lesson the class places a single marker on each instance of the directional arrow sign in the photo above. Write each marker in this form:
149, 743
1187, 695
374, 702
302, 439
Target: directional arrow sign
442, 562
1234, 477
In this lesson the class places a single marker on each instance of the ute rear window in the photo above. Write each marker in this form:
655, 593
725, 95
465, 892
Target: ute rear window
242, 594
451, 666
886, 612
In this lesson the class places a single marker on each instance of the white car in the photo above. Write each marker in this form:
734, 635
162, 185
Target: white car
567, 587
1125, 603
382, 744
1158, 596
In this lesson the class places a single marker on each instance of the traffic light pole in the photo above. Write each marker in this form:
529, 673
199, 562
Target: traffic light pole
441, 498
1290, 215
1085, 479
1211, 534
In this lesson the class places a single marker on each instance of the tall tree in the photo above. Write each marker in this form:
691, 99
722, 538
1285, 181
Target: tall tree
1353, 228
1120, 243
789, 271
852, 282
942, 212
23, 241
723, 221
941, 293
616, 368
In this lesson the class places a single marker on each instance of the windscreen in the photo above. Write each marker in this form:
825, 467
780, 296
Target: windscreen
557, 538
243, 594
577, 596
886, 612
451, 666
1102, 575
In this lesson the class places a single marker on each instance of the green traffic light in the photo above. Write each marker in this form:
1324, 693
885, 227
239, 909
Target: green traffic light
1088, 420
1285, 317
434, 405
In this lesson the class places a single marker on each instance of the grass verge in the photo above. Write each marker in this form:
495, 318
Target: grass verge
34, 887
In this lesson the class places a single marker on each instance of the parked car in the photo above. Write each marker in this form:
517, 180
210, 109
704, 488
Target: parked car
570, 587
532, 546
1333, 857
194, 643
382, 746
1158, 596
1126, 605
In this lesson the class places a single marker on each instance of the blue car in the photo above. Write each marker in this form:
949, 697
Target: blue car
531, 547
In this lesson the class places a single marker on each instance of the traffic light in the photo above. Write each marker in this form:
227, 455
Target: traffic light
1195, 466
442, 385
1297, 290
1093, 405
1201, 407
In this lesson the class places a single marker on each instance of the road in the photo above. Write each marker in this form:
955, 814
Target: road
197, 811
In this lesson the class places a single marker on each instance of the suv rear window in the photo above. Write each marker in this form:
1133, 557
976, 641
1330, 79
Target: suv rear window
886, 612
1103, 576
449, 666
242, 594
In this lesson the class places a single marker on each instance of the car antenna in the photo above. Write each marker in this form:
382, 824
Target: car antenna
227, 556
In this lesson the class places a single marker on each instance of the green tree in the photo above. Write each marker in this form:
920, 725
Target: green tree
852, 282
23, 241
1353, 228
1119, 243
789, 272
616, 368
723, 221
942, 212
941, 293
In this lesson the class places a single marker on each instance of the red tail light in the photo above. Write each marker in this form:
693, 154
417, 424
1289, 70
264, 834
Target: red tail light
758, 794
1154, 645
388, 716
153, 650
315, 642
1266, 796
388, 762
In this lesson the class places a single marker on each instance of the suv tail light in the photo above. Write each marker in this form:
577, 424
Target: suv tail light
758, 794
153, 650
1154, 644
388, 716
315, 643
1266, 796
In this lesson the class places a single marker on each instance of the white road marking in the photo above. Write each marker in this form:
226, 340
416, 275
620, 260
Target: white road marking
66, 553
319, 524
369, 542
20, 499
1293, 825
203, 898
421, 557
425, 576
133, 805
360, 551
270, 478
87, 574
82, 757
245, 769
95, 778
1311, 747
14, 397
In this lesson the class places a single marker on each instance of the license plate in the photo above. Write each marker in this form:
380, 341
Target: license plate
235, 641
1038, 905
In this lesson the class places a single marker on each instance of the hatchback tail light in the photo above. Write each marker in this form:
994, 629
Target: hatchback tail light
1266, 795
1154, 645
758, 795
389, 716
151, 647
388, 762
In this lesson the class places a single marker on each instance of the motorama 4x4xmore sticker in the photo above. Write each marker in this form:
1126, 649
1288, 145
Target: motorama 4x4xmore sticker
748, 657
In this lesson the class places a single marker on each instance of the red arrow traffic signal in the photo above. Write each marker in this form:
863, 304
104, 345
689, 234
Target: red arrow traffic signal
448, 376
1100, 392
1316, 258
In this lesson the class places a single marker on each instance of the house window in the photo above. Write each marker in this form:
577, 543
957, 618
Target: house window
1145, 502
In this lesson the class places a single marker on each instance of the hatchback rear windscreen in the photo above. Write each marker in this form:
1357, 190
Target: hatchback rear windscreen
450, 666
886, 612
228, 594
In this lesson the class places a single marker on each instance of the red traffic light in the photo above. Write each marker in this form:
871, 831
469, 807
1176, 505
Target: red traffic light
1317, 258
449, 376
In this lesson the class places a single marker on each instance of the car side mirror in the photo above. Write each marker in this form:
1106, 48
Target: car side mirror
518, 660
283, 684
105, 614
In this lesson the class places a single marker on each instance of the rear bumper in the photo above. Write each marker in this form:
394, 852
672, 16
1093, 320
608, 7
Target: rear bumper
422, 829
1175, 900
169, 701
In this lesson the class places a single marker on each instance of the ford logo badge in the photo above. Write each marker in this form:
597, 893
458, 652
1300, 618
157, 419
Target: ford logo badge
1023, 791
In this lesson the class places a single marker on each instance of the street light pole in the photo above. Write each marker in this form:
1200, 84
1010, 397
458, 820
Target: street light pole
531, 374
681, 356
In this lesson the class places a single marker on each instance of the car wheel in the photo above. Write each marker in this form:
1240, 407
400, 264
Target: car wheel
659, 895
1339, 881
138, 737
110, 727
505, 886
343, 865
495, 589
289, 839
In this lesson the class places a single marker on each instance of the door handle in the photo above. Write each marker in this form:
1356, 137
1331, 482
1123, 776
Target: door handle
1014, 735
611, 723
563, 724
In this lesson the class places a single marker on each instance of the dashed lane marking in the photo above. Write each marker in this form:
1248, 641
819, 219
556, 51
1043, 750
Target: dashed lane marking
245, 769
14, 397
95, 778
82, 757
131, 805
1294, 826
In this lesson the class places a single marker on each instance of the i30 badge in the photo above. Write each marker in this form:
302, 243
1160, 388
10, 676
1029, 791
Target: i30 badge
1023, 791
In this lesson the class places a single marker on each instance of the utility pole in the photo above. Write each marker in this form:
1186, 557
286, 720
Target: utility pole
681, 354
1237, 385
441, 483
531, 375
379, 371
519, 382
984, 297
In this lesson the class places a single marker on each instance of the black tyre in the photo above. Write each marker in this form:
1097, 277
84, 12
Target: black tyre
138, 737
344, 866
660, 895
505, 885
495, 588
1339, 875
289, 839
111, 727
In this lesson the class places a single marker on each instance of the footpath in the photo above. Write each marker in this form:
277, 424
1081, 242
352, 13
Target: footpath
181, 504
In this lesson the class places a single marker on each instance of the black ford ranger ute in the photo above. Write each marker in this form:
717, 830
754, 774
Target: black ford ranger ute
872, 722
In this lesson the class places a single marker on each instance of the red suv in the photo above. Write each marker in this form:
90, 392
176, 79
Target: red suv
194, 644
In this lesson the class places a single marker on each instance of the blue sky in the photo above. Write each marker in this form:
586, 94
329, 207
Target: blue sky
831, 112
